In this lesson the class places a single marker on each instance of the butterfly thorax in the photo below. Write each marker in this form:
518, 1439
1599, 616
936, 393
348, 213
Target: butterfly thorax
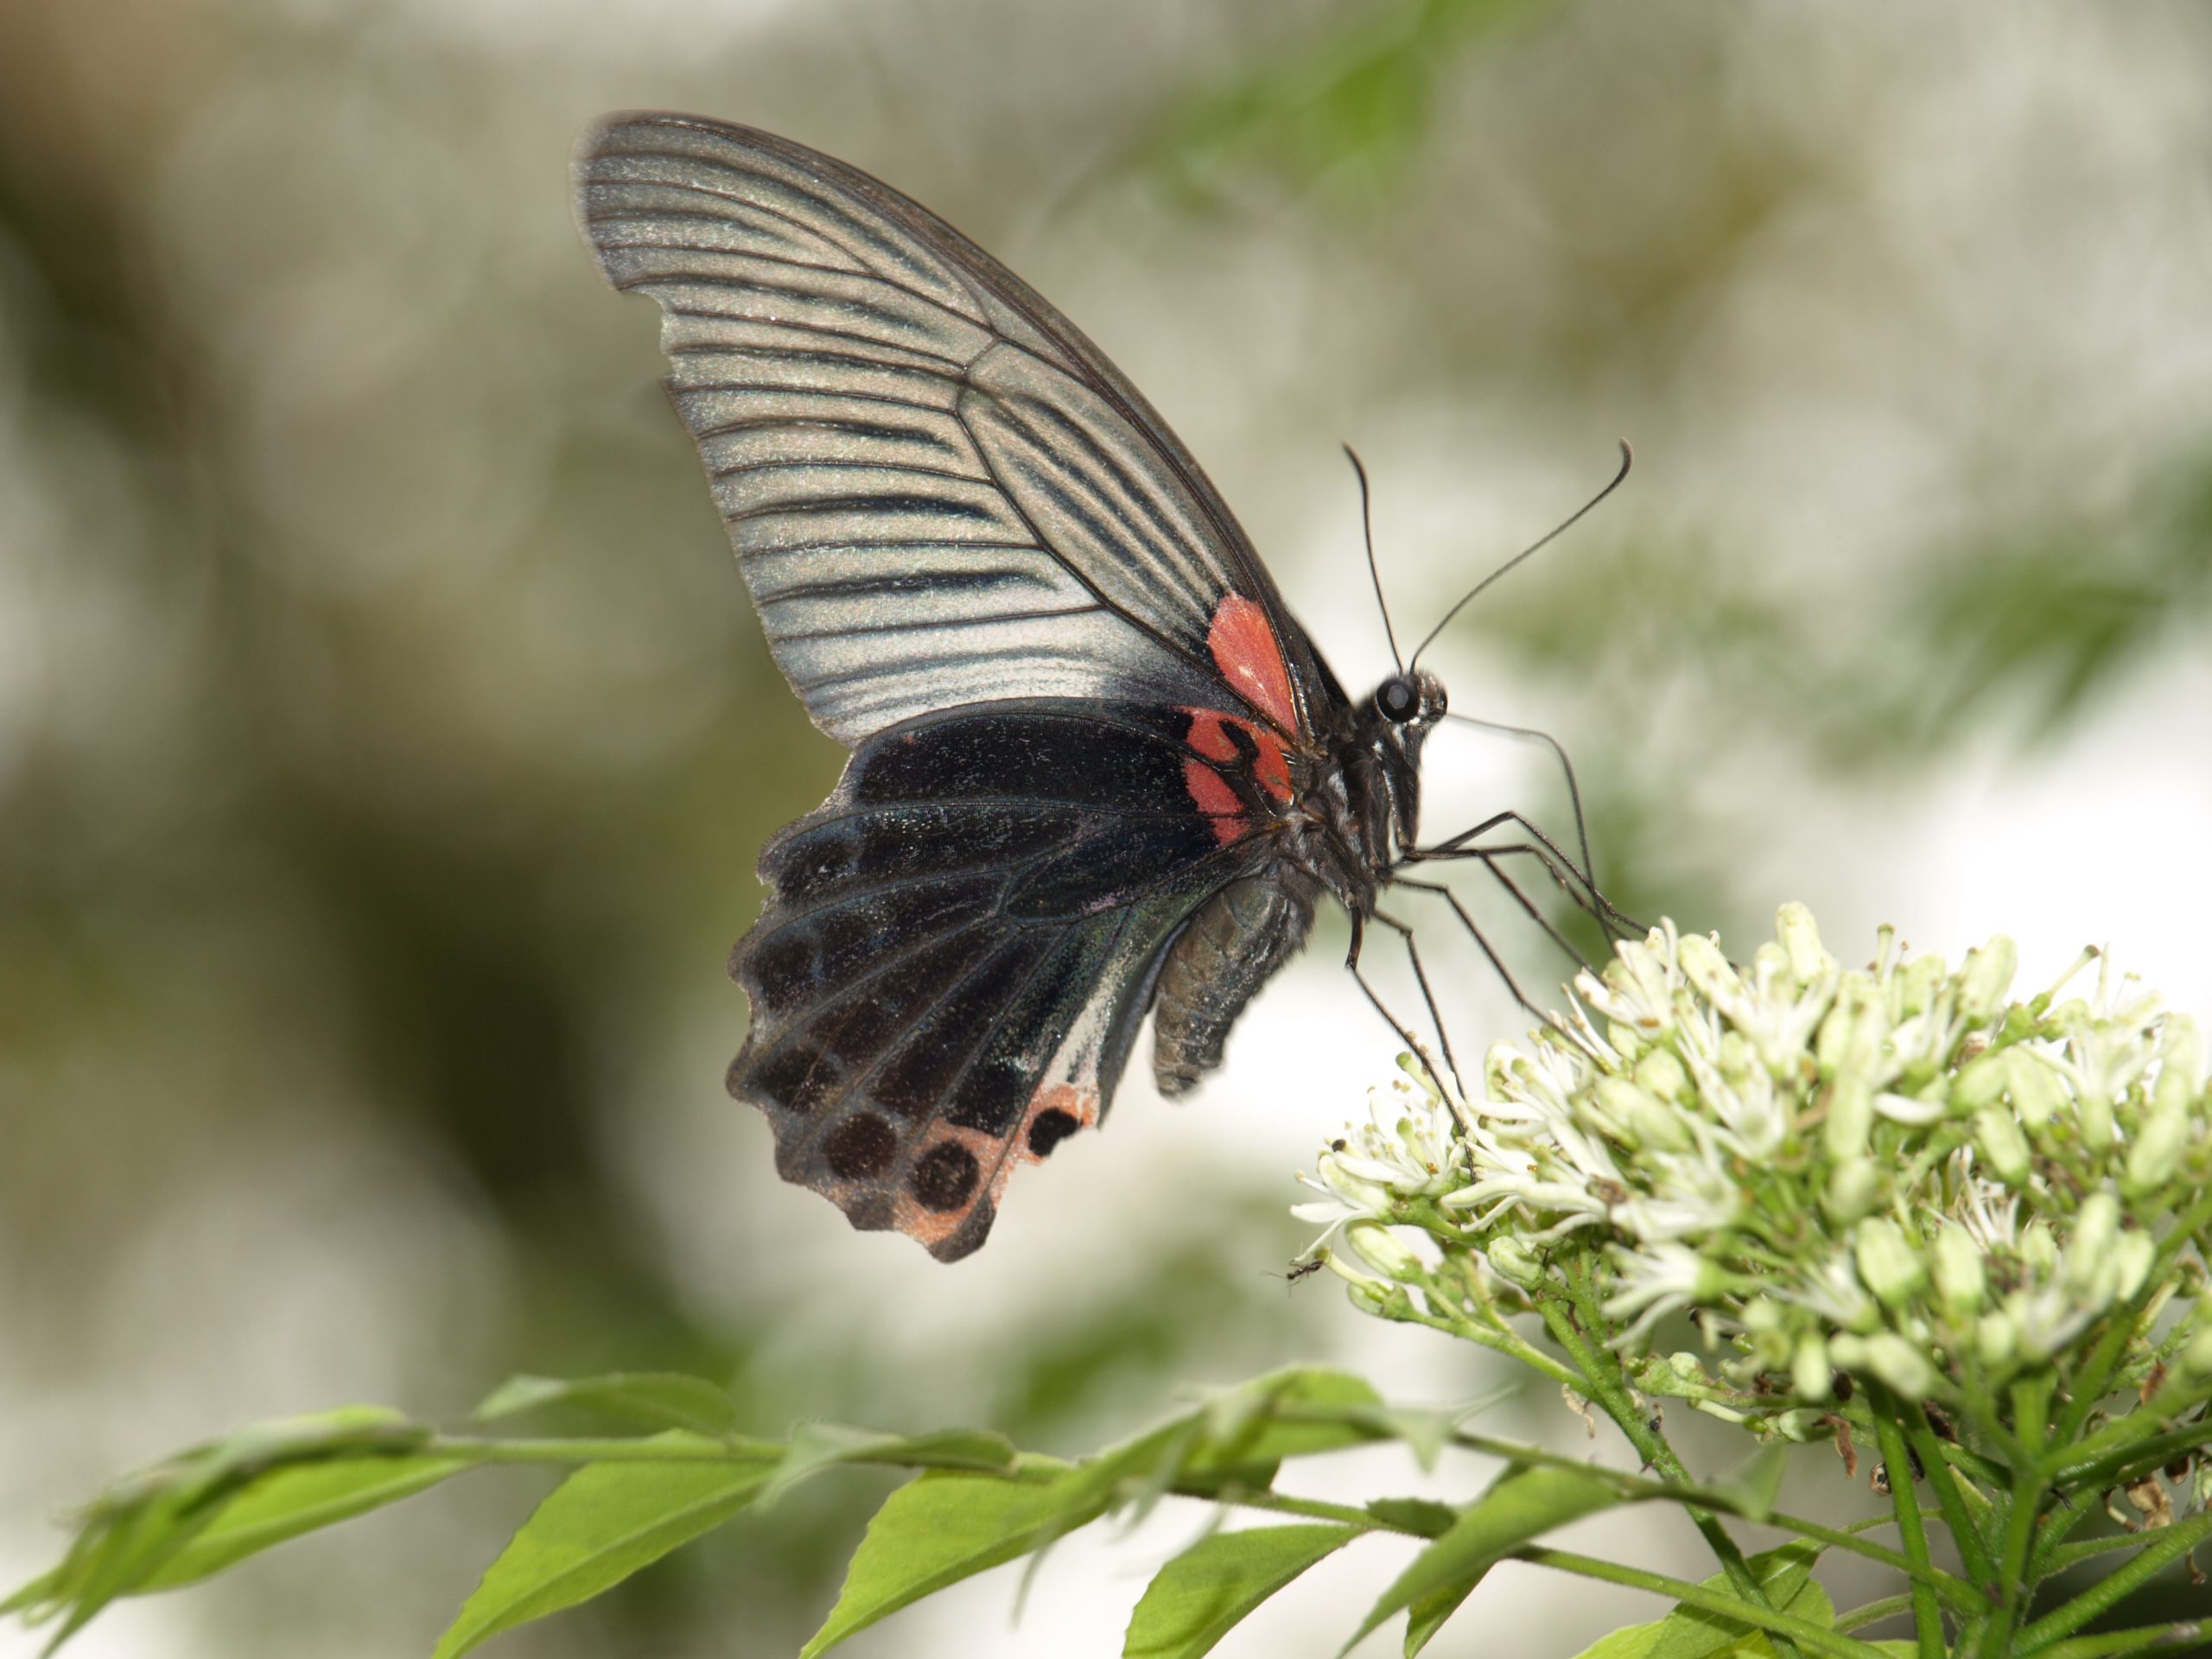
1358, 806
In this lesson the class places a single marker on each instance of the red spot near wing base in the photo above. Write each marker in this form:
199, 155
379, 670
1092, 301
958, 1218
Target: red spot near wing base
1216, 797
1249, 657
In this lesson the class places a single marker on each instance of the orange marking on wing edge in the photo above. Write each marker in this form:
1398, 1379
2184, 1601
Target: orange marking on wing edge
1081, 1105
1249, 657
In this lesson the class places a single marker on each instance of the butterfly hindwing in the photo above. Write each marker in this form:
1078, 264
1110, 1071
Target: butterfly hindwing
959, 946
940, 493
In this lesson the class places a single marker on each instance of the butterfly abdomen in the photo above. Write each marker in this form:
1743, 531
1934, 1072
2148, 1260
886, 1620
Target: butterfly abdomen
1232, 948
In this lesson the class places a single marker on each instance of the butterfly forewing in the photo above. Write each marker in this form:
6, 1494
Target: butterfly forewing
938, 491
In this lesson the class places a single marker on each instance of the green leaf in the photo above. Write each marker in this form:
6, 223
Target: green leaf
1422, 1515
1524, 1503
598, 1527
816, 1446
1785, 1574
1753, 1485
944, 1526
653, 1399
286, 1503
1249, 1425
139, 1526
1199, 1596
1425, 1617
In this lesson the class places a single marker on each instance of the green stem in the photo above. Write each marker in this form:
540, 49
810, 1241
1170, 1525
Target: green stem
1943, 1481
1897, 1459
2110, 1643
1607, 1389
1781, 1628
477, 1448
2111, 1454
1872, 1612
2107, 1592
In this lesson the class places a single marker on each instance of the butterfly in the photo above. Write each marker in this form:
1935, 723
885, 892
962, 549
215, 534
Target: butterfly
1097, 767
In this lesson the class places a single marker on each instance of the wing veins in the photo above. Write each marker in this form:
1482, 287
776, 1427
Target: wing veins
987, 620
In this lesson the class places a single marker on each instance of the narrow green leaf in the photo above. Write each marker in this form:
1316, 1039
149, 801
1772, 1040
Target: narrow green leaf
944, 1526
601, 1524
1785, 1574
650, 1399
1423, 1515
1425, 1617
1199, 1596
1246, 1426
1753, 1485
286, 1503
816, 1446
1523, 1504
135, 1530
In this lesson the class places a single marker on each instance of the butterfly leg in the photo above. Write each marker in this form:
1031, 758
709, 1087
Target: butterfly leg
1475, 932
1588, 871
1414, 1045
1489, 858
1420, 977
1583, 890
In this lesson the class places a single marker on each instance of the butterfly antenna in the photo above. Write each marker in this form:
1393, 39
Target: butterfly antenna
1628, 459
1367, 527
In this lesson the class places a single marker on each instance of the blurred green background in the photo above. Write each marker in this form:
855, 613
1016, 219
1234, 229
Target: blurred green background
385, 740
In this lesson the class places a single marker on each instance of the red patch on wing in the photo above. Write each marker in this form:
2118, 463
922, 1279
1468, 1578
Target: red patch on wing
1249, 657
1216, 797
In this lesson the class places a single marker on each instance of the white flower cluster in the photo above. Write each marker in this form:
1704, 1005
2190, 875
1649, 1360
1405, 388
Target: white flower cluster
1896, 1171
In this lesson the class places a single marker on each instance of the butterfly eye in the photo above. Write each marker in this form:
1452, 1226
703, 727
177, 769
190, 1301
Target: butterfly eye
1397, 700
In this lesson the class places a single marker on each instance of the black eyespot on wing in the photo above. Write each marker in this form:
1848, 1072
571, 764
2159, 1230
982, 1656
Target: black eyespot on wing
1048, 1130
945, 1177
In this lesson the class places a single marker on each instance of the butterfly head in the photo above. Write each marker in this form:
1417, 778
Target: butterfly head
1410, 704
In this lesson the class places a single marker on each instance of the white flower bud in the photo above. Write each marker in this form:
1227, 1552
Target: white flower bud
2003, 1147
1382, 1251
1801, 940
2197, 1356
2131, 1260
2038, 1093
1889, 1357
1888, 1265
1516, 1263
2038, 1249
1663, 1074
1981, 1081
1985, 978
1853, 1190
1996, 1340
2181, 1064
2088, 1252
1959, 1276
1707, 969
2156, 1155
1850, 1120
1812, 1374
2093, 1112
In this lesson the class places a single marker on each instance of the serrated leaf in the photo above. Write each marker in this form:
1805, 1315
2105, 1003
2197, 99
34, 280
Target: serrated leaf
598, 1527
654, 1399
287, 1503
816, 1446
1201, 1595
1523, 1504
944, 1526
